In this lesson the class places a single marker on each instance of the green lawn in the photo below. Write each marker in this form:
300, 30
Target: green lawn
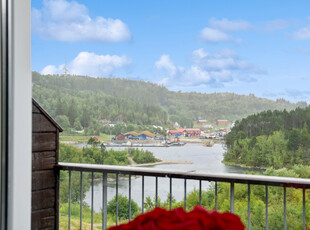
102, 137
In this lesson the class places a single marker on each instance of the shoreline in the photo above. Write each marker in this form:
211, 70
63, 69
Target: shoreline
162, 162
242, 166
155, 144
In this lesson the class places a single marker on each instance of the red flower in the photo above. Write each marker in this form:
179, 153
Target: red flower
197, 219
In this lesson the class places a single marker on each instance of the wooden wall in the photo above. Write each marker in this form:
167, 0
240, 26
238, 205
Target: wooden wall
45, 137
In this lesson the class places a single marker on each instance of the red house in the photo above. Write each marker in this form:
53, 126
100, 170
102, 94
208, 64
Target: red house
222, 122
192, 132
177, 131
120, 137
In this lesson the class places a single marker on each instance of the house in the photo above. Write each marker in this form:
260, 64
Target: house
142, 137
221, 122
192, 132
113, 123
147, 134
131, 135
120, 137
45, 148
177, 131
201, 122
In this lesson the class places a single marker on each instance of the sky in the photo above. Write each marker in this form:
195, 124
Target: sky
255, 47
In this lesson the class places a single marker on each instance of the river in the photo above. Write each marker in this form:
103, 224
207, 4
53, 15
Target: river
204, 159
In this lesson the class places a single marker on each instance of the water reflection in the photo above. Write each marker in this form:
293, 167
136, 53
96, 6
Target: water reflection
205, 159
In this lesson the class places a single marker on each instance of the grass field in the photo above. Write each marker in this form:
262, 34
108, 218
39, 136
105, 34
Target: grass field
86, 219
83, 139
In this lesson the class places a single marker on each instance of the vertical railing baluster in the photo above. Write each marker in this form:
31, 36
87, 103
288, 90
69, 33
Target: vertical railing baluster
284, 209
200, 201
232, 197
92, 200
185, 194
303, 209
81, 200
170, 198
129, 195
215, 195
116, 198
142, 194
104, 200
266, 215
156, 191
249, 206
69, 211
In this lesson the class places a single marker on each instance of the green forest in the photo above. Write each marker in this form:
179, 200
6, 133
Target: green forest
271, 139
83, 102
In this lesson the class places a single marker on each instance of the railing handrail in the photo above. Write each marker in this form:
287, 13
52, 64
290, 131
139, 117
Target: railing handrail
220, 177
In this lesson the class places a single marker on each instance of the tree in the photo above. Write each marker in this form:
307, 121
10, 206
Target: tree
123, 207
63, 120
77, 125
85, 117
72, 112
61, 107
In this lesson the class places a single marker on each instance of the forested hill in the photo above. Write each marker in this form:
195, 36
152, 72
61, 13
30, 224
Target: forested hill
271, 139
166, 105
267, 122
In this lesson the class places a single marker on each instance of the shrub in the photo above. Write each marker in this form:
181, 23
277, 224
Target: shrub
123, 207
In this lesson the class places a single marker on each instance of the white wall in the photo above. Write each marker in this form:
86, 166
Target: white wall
19, 212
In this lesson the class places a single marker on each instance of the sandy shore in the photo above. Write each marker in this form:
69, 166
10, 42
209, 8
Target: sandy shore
69, 142
160, 163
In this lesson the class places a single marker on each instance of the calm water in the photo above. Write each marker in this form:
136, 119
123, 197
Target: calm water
205, 159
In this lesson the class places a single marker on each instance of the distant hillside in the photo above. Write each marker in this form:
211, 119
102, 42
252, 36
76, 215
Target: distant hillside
271, 139
142, 102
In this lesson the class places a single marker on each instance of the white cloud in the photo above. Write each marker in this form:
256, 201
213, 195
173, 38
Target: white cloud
213, 69
69, 21
216, 31
228, 25
195, 75
224, 59
51, 69
214, 35
303, 33
164, 63
91, 64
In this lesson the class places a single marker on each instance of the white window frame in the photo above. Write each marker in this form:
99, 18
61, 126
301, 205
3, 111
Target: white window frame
16, 115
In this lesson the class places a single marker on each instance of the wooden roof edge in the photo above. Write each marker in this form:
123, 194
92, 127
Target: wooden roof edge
34, 102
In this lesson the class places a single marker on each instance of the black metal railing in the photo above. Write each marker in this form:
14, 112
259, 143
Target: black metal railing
285, 182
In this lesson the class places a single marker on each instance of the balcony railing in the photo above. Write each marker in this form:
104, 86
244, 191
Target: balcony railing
267, 181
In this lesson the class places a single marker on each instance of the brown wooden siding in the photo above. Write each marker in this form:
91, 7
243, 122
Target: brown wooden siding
44, 177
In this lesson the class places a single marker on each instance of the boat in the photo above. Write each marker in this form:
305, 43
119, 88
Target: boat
179, 143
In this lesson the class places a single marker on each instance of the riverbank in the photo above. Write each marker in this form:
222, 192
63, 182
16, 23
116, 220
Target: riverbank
67, 139
162, 162
242, 166
198, 140
104, 138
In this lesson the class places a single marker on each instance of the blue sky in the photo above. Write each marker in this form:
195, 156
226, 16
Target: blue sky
260, 47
